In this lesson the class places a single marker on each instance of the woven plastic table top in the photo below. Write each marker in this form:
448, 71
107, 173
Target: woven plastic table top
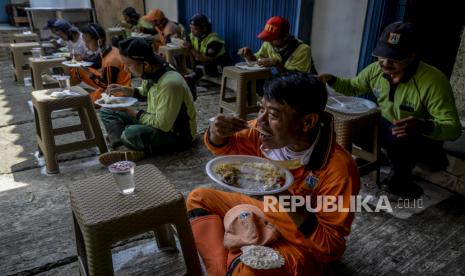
97, 199
233, 70
24, 35
46, 60
44, 95
339, 116
24, 44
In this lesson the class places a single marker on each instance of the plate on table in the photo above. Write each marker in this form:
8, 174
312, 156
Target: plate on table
115, 29
61, 55
172, 45
116, 102
252, 66
71, 63
350, 105
141, 35
249, 175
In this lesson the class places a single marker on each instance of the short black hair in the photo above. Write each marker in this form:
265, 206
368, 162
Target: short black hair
201, 21
132, 14
303, 92
95, 31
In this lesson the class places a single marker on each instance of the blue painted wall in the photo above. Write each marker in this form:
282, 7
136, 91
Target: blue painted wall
3, 15
380, 13
239, 21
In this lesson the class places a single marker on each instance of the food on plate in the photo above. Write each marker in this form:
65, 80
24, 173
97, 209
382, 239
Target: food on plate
257, 176
108, 99
252, 64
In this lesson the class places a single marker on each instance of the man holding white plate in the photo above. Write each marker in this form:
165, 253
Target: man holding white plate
280, 50
416, 103
168, 124
293, 128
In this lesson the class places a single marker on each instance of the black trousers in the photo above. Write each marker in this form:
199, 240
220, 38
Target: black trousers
404, 153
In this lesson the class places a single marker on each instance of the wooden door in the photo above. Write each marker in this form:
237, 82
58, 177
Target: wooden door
110, 12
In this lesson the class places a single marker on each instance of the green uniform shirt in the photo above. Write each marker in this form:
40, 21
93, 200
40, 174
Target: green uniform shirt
427, 94
202, 46
300, 59
164, 103
141, 23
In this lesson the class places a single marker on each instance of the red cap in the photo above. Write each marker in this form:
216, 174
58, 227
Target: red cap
275, 28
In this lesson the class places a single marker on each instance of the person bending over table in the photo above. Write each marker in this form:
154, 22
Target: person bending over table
168, 124
280, 50
107, 69
165, 28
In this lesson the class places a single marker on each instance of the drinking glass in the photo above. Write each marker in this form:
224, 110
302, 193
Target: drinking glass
64, 82
36, 53
123, 173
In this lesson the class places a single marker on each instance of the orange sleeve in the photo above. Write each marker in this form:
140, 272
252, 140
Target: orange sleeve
124, 78
244, 142
340, 178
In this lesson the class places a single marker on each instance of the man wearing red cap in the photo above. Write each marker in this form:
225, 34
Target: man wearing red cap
280, 49
416, 102
165, 28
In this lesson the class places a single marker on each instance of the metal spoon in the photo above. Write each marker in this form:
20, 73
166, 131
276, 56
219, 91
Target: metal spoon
343, 105
212, 119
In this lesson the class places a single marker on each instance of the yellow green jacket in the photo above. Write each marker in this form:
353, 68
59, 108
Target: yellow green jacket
427, 95
201, 45
168, 101
300, 59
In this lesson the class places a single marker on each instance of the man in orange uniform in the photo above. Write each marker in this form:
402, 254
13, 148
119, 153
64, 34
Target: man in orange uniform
299, 132
166, 29
107, 69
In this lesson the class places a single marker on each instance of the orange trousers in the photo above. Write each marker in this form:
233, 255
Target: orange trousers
298, 260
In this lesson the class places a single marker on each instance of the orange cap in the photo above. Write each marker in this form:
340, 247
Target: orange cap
245, 224
153, 15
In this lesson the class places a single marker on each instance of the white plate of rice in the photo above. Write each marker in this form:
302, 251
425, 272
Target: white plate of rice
249, 175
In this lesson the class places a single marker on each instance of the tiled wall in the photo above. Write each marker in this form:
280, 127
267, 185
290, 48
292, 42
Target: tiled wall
458, 78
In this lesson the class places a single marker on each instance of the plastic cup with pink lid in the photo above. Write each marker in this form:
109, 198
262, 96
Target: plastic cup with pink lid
123, 173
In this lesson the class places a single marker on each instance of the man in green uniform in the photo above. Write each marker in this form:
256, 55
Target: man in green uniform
133, 22
280, 50
168, 124
416, 103
206, 47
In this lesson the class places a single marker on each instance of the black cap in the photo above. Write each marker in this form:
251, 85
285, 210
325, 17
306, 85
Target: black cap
50, 24
397, 41
200, 20
139, 49
64, 25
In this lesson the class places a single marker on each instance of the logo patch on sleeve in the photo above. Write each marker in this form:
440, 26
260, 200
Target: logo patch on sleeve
311, 181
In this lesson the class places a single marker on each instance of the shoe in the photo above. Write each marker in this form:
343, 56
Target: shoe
111, 157
402, 186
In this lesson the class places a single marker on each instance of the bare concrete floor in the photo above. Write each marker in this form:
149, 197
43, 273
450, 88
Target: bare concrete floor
36, 232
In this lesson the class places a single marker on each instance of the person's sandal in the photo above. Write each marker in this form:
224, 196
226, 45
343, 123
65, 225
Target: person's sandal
111, 157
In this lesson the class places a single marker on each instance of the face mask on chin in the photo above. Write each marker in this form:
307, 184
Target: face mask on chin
278, 157
287, 158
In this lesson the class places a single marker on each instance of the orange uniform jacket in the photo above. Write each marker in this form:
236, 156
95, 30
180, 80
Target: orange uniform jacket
112, 71
330, 171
